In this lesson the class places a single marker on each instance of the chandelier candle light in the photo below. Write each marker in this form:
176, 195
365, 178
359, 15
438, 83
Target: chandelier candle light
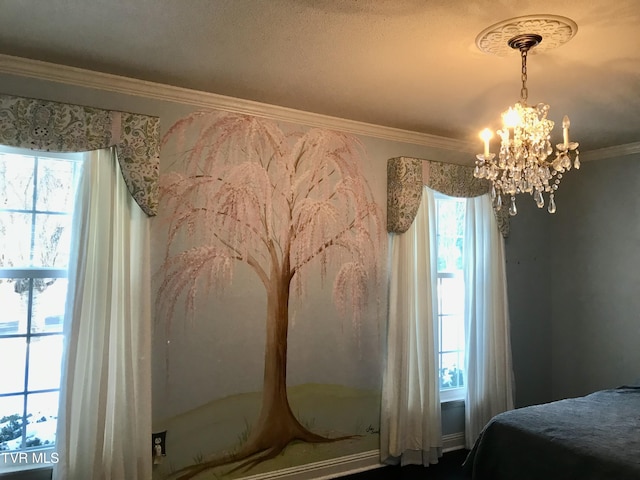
522, 165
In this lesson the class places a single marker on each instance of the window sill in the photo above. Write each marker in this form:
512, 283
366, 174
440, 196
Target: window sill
452, 395
27, 472
27, 465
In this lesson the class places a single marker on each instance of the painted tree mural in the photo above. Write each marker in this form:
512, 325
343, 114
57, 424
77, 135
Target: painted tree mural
279, 202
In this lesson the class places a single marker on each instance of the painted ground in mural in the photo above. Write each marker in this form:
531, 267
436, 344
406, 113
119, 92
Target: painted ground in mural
331, 410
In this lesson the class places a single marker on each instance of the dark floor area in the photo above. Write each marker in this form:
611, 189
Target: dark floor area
448, 468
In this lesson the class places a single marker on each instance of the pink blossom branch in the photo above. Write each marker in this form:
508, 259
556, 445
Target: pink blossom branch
249, 259
328, 243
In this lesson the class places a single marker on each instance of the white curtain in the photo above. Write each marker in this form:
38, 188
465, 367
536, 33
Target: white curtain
104, 425
410, 428
488, 357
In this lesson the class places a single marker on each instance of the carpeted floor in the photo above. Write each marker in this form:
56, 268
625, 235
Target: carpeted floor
448, 468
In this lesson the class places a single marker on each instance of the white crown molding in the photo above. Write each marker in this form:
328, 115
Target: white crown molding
130, 86
611, 152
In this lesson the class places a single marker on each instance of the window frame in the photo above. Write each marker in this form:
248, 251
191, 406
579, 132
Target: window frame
41, 456
456, 393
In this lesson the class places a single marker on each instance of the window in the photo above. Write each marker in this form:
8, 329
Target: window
36, 205
450, 224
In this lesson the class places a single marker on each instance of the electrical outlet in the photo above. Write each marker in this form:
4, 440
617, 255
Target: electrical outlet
159, 444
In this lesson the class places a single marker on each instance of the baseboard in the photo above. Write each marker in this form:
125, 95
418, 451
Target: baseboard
453, 441
342, 466
336, 467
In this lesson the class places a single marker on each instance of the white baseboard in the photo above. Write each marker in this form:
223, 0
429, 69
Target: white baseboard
338, 467
453, 441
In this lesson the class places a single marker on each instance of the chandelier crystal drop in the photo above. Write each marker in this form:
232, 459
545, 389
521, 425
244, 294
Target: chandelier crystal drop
524, 163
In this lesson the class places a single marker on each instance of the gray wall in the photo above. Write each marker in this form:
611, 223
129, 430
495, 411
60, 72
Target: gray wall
528, 260
453, 417
574, 285
595, 278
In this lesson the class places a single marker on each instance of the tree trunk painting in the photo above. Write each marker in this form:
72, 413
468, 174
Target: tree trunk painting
280, 203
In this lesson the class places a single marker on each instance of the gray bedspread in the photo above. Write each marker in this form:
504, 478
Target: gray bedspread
596, 437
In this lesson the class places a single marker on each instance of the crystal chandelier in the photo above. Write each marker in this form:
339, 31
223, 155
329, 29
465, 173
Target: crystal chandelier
523, 163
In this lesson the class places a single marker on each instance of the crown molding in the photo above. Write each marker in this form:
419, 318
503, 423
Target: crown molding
611, 152
130, 86
141, 88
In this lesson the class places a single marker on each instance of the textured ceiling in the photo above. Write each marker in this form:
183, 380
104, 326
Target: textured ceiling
409, 64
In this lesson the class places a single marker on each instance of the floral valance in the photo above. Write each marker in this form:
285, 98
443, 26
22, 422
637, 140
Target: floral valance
406, 177
51, 126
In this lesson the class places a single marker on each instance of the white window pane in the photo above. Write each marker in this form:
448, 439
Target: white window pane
45, 356
452, 370
42, 416
13, 314
52, 240
16, 181
49, 297
450, 232
49, 305
15, 239
55, 185
11, 409
21, 289
451, 360
14, 351
451, 294
452, 333
449, 253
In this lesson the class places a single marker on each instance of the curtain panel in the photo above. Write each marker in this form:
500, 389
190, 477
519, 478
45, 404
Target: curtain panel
488, 363
406, 176
104, 422
52, 126
410, 422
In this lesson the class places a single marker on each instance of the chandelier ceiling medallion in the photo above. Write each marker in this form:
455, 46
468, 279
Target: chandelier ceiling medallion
523, 163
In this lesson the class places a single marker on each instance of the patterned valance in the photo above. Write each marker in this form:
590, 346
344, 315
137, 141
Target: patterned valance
404, 192
406, 177
51, 126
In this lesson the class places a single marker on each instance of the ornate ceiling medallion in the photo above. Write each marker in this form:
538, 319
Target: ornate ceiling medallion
555, 30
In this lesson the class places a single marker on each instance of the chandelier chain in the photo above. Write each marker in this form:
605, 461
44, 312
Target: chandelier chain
524, 92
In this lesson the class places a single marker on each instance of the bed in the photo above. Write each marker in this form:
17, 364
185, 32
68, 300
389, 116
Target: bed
595, 437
